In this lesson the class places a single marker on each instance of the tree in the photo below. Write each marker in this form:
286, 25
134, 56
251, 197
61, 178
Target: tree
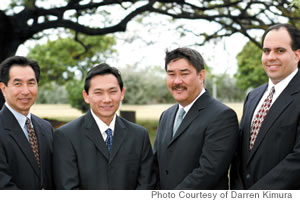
64, 59
296, 2
63, 63
226, 89
145, 86
26, 19
23, 20
250, 72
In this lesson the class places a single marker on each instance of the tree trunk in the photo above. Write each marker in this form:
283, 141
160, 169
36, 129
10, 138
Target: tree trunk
8, 43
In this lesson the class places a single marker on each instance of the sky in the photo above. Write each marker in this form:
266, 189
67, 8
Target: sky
146, 47
220, 56
145, 44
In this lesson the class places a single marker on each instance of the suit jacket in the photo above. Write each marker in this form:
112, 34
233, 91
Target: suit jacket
82, 161
274, 161
18, 167
199, 155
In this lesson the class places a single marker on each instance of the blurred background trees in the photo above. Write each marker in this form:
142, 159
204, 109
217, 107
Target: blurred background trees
84, 35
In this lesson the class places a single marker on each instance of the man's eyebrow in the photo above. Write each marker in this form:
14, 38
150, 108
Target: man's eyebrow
184, 70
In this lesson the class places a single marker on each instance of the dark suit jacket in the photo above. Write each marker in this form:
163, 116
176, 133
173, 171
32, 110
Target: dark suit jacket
199, 155
274, 161
18, 167
82, 161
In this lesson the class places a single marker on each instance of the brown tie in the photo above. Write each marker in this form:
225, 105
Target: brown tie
33, 141
260, 116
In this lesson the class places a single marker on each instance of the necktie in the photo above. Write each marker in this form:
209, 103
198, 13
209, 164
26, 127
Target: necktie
108, 140
33, 141
260, 116
178, 120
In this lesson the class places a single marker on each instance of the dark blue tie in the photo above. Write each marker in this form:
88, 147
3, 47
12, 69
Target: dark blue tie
108, 140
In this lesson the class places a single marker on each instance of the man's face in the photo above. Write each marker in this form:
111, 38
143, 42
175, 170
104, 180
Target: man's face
184, 83
104, 96
21, 90
278, 58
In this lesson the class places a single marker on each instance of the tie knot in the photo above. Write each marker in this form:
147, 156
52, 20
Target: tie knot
27, 122
181, 113
272, 90
108, 132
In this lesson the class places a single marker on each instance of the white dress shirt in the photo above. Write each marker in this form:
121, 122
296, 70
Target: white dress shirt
102, 126
21, 119
188, 107
279, 87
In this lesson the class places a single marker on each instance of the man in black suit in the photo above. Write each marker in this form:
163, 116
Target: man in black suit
101, 150
25, 139
268, 156
195, 153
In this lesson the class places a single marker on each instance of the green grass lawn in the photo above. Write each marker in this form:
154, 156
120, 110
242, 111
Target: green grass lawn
146, 115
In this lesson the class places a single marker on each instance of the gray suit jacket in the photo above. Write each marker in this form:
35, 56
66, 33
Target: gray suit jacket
18, 167
274, 161
82, 161
199, 155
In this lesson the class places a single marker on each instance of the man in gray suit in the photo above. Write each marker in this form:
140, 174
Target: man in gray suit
196, 138
101, 150
268, 156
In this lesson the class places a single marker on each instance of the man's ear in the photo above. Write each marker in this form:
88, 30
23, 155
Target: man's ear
123, 94
298, 54
202, 74
2, 87
85, 97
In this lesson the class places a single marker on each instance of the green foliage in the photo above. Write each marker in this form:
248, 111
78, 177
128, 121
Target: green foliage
76, 100
227, 91
64, 59
64, 63
145, 86
52, 93
296, 3
250, 72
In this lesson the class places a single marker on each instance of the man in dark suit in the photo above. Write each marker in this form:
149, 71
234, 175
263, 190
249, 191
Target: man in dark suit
195, 153
25, 139
101, 150
268, 156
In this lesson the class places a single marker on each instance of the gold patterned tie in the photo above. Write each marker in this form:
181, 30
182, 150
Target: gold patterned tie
259, 117
33, 141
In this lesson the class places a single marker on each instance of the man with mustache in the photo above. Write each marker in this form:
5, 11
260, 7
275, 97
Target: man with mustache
196, 138
268, 156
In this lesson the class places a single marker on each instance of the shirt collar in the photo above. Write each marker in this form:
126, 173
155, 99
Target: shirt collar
20, 117
279, 87
188, 107
101, 125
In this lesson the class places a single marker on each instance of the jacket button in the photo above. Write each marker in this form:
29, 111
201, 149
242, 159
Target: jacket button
248, 176
166, 172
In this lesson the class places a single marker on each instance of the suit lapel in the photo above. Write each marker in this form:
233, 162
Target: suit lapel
94, 134
281, 103
118, 138
194, 111
15, 131
170, 123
